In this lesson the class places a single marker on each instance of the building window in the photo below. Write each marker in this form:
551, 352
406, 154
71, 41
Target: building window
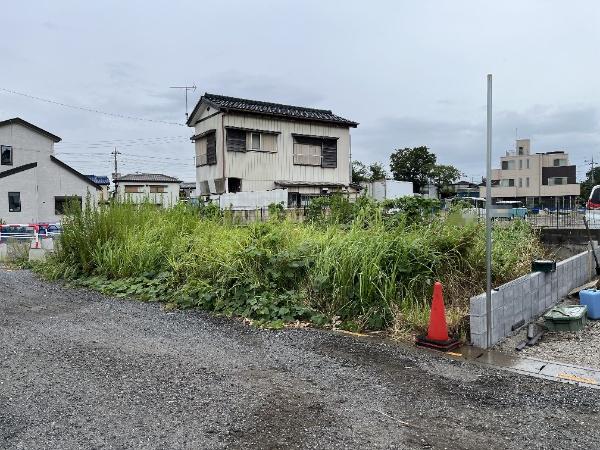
6, 155
556, 181
236, 140
254, 141
527, 180
234, 185
508, 165
528, 163
559, 162
206, 150
520, 150
507, 182
520, 182
520, 164
157, 189
315, 151
61, 204
134, 189
14, 202
243, 140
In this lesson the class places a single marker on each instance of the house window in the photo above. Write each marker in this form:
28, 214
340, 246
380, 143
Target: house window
520, 164
236, 140
508, 165
61, 204
14, 202
527, 180
315, 151
507, 182
528, 163
234, 185
520, 150
255, 141
6, 155
559, 162
244, 140
157, 189
134, 189
206, 150
520, 182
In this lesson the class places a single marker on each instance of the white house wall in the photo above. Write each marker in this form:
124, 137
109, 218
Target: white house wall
38, 188
28, 146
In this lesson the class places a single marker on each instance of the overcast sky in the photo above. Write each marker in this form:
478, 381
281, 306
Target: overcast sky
411, 72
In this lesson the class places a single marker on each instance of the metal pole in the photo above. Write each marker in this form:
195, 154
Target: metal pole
488, 217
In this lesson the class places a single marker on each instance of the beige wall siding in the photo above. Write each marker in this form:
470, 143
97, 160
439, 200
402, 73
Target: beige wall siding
169, 198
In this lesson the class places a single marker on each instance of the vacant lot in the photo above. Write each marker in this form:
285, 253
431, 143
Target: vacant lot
81, 370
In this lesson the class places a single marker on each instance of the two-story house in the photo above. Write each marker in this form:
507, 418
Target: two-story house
246, 145
35, 186
154, 188
544, 180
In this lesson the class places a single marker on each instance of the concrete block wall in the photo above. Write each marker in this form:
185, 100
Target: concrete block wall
528, 297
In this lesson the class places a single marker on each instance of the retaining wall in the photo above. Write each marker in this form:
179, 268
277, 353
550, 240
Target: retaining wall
528, 297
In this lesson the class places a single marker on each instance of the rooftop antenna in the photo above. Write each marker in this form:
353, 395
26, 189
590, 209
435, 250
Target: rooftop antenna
187, 88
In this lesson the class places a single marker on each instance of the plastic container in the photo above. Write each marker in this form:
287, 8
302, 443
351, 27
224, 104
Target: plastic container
566, 318
543, 265
591, 299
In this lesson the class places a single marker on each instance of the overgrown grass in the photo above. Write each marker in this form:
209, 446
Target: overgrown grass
367, 271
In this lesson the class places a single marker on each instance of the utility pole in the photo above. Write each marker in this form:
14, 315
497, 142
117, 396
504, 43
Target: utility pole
115, 152
186, 88
488, 212
591, 163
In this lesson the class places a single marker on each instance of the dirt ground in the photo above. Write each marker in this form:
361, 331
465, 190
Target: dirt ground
80, 370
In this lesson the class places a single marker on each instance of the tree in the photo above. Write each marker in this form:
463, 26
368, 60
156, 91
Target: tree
413, 164
377, 172
442, 176
587, 185
359, 172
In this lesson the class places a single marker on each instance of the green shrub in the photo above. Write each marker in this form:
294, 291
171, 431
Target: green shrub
354, 263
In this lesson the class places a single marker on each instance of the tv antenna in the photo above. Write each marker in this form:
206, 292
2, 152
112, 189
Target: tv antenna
187, 88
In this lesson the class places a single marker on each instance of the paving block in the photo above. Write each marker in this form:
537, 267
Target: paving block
477, 305
478, 324
479, 340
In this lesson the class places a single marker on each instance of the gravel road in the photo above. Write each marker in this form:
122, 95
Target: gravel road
80, 370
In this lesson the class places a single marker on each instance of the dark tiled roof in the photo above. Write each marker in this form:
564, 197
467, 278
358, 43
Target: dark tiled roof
152, 177
224, 103
99, 179
19, 121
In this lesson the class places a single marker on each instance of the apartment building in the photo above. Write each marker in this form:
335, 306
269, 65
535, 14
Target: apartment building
544, 180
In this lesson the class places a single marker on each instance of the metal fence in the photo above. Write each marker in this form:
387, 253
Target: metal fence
565, 219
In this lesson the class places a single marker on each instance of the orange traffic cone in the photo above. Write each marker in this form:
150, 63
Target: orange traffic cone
437, 332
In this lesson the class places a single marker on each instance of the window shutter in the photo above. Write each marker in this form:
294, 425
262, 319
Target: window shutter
269, 142
211, 149
329, 159
236, 140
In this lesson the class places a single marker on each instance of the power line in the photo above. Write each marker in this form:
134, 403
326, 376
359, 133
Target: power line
91, 110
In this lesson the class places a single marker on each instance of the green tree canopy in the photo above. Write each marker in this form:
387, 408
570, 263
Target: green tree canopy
442, 176
372, 172
413, 164
587, 185
377, 172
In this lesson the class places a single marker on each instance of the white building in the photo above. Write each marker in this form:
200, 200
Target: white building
544, 180
35, 186
246, 145
388, 189
148, 187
